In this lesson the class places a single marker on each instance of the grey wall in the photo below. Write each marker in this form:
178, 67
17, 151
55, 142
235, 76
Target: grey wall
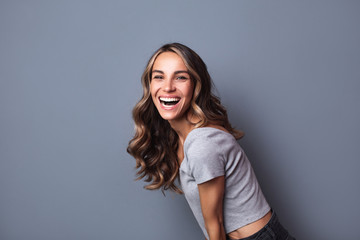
288, 72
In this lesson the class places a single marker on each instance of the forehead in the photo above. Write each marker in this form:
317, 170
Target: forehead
170, 61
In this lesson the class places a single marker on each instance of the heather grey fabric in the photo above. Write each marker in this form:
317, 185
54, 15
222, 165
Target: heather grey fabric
210, 153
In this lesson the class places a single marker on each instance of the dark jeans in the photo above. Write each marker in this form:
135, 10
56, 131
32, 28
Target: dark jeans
273, 230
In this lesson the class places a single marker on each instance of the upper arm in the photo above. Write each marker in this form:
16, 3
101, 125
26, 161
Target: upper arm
206, 160
211, 199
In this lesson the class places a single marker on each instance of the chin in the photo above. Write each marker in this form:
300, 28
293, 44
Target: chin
168, 117
171, 116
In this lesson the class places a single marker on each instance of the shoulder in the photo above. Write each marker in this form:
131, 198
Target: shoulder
207, 142
205, 157
208, 137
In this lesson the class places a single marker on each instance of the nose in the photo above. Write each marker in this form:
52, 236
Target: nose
169, 85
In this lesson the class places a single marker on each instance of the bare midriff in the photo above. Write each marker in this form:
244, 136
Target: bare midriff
251, 228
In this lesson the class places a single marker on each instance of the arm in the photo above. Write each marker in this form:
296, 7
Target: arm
211, 200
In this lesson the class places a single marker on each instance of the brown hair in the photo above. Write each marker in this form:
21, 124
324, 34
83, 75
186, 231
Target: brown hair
155, 143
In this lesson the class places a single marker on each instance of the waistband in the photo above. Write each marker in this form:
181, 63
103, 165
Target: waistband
273, 228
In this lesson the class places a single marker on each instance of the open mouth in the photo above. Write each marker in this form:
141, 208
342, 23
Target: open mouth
169, 101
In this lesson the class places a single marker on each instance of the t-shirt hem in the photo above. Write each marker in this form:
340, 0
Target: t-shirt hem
209, 177
249, 220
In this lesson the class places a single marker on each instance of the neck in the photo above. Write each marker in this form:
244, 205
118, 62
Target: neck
182, 127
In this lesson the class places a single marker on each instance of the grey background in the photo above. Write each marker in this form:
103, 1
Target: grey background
288, 72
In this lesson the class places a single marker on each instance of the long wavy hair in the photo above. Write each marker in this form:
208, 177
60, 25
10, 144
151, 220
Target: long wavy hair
155, 144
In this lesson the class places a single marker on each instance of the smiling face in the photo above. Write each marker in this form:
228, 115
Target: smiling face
171, 87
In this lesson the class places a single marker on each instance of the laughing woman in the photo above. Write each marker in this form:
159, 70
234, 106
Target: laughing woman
182, 130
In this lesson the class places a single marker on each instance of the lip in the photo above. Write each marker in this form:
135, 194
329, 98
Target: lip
168, 107
169, 96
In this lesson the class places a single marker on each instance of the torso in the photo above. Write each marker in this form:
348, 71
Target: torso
251, 228
244, 231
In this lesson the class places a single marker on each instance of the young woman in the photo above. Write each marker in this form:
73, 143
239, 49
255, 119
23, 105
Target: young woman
182, 130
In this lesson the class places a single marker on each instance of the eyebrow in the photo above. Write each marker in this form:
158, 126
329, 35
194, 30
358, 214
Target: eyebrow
176, 72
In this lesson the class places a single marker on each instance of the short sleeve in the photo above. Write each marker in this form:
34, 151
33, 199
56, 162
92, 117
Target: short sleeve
205, 160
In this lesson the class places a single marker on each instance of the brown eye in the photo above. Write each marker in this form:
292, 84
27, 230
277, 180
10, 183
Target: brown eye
157, 77
181, 78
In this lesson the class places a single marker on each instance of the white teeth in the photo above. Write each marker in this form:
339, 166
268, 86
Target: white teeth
169, 99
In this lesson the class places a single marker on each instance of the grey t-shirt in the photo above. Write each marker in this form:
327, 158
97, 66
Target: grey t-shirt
210, 153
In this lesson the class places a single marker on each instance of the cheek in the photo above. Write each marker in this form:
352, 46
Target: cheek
152, 90
189, 91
